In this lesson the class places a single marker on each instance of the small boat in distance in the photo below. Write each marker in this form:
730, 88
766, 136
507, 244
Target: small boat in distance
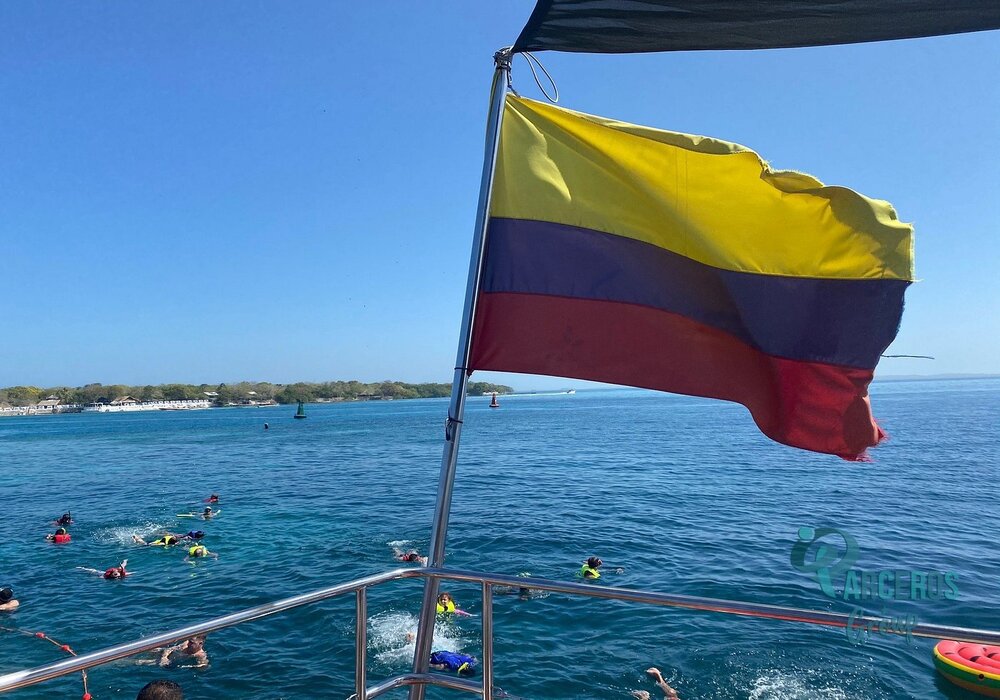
493, 401
301, 413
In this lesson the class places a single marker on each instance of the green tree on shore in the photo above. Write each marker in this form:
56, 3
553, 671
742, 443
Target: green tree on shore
20, 395
243, 392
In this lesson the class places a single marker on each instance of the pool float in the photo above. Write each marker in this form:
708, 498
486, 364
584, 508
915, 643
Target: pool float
974, 667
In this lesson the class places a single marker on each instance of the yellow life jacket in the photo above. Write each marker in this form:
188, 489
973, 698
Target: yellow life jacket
193, 551
588, 571
450, 608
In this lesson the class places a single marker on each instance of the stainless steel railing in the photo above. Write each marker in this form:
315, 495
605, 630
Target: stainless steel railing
33, 676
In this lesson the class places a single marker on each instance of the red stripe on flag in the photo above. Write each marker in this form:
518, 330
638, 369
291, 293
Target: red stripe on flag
813, 406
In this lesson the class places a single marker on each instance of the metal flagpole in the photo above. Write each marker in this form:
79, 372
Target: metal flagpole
456, 409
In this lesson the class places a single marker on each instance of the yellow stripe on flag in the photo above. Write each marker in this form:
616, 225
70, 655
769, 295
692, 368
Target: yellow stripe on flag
715, 202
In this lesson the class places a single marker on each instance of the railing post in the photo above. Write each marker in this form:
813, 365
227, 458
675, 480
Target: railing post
361, 645
487, 641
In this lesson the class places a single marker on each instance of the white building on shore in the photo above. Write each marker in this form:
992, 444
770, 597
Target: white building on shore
45, 407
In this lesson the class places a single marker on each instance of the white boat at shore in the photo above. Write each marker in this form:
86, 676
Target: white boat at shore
131, 406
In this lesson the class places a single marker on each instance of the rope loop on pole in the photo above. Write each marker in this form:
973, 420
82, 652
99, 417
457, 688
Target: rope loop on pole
532, 62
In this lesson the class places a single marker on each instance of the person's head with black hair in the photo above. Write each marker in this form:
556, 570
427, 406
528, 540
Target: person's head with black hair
7, 601
161, 690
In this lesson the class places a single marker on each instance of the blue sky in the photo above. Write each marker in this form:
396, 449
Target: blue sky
286, 191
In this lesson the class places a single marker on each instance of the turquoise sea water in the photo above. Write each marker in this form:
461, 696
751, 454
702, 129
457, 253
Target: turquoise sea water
683, 493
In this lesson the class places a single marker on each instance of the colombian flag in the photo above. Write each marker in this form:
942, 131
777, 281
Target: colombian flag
624, 254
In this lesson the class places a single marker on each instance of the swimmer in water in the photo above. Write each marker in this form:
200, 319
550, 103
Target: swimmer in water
206, 514
193, 535
214, 498
199, 551
112, 574
167, 539
7, 601
453, 661
412, 556
65, 519
446, 605
590, 569
191, 650
523, 592
668, 692
60, 536
116, 572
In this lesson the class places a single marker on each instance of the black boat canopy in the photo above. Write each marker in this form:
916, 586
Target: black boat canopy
630, 26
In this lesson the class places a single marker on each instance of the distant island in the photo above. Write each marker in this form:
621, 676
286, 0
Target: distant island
239, 394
